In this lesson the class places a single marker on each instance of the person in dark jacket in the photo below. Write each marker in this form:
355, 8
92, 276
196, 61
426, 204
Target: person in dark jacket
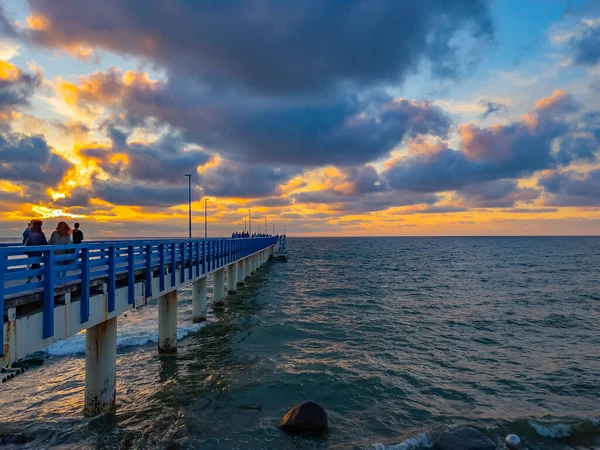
36, 237
77, 234
27, 232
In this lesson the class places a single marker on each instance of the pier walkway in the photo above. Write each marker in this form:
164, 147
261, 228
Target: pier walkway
49, 293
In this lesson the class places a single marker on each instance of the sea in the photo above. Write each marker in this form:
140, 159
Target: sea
399, 339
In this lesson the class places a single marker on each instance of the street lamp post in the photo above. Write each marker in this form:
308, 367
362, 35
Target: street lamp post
250, 222
189, 175
205, 222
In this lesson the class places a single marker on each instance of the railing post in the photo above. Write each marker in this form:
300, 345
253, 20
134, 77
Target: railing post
48, 307
208, 255
85, 285
197, 246
173, 265
148, 270
203, 257
191, 253
182, 257
161, 252
112, 286
2, 267
130, 274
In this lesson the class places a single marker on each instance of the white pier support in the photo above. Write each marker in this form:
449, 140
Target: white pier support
231, 278
101, 368
240, 272
199, 300
219, 288
167, 323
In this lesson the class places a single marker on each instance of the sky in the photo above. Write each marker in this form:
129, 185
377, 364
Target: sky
321, 117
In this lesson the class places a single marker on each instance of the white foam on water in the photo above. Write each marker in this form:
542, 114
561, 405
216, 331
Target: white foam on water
555, 431
128, 336
421, 440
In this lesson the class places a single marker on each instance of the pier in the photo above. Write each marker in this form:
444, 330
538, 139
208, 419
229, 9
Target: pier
86, 286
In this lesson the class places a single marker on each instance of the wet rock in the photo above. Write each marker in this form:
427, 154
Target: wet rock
305, 418
464, 439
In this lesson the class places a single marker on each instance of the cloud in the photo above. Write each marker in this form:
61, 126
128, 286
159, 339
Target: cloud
497, 194
572, 188
492, 108
16, 86
497, 152
28, 160
344, 129
361, 203
163, 161
271, 46
233, 179
584, 45
157, 195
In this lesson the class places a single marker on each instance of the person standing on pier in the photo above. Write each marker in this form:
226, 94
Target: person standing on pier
27, 232
36, 237
77, 234
61, 237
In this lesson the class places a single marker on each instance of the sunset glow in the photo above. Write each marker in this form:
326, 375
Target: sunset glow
367, 135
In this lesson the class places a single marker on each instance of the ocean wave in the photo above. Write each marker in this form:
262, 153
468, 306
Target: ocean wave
554, 431
421, 440
129, 336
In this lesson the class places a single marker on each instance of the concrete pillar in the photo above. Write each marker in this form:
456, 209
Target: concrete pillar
240, 272
246, 267
199, 300
101, 368
219, 288
231, 278
167, 323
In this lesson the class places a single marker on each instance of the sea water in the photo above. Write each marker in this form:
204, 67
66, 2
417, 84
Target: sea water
398, 338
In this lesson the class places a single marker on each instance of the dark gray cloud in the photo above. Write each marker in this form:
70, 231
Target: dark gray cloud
29, 160
273, 46
232, 179
343, 129
585, 45
497, 194
493, 108
16, 89
572, 188
148, 195
365, 179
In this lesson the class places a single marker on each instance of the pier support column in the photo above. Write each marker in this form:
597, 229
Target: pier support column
101, 368
246, 267
240, 272
231, 278
219, 289
199, 300
167, 323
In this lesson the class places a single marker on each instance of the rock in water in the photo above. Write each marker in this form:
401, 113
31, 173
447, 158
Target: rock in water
305, 418
464, 439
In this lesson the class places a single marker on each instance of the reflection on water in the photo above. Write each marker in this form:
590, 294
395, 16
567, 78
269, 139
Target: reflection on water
397, 338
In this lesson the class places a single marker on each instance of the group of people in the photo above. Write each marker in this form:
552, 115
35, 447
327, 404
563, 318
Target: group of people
245, 234
33, 234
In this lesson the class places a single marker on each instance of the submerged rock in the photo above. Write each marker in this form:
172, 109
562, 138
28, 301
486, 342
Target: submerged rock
464, 439
305, 418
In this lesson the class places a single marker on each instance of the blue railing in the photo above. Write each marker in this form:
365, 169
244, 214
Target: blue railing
43, 269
